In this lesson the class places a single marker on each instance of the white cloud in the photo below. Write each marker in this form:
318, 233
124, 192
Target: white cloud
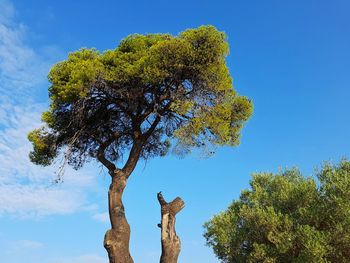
102, 217
37, 201
26, 189
27, 244
90, 258
21, 68
17, 247
7, 12
31, 249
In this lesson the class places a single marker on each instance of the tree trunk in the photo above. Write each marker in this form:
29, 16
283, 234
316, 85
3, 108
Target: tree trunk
171, 244
117, 239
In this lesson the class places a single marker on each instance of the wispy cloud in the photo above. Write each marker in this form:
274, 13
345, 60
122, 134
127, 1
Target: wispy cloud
82, 259
26, 189
21, 68
27, 244
7, 11
14, 248
28, 201
102, 217
34, 249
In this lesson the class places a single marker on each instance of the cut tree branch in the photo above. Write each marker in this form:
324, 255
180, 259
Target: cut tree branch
171, 244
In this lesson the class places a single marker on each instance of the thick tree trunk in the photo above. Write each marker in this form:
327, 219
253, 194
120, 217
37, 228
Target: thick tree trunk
171, 244
117, 239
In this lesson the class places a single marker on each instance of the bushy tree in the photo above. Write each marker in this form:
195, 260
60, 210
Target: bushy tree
286, 217
151, 92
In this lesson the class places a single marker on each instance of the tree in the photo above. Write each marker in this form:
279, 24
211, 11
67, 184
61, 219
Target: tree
286, 217
152, 93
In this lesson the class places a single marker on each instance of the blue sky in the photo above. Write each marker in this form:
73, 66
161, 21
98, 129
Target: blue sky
292, 58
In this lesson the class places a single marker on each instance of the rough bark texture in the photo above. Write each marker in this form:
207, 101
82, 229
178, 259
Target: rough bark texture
171, 244
117, 239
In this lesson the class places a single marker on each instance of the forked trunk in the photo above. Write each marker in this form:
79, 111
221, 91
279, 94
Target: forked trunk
117, 239
171, 244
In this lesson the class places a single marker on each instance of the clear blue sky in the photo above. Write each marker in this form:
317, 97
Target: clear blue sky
292, 58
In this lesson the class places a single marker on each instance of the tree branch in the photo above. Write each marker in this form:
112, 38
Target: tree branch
134, 156
101, 153
149, 132
161, 199
172, 207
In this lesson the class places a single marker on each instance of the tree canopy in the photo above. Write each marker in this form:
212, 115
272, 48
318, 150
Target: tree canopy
149, 94
286, 217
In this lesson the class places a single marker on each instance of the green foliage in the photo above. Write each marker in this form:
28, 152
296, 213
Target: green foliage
44, 147
286, 217
71, 79
153, 89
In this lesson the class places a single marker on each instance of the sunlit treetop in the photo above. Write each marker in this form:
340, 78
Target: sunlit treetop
151, 92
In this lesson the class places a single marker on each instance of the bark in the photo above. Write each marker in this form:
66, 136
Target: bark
171, 244
117, 239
